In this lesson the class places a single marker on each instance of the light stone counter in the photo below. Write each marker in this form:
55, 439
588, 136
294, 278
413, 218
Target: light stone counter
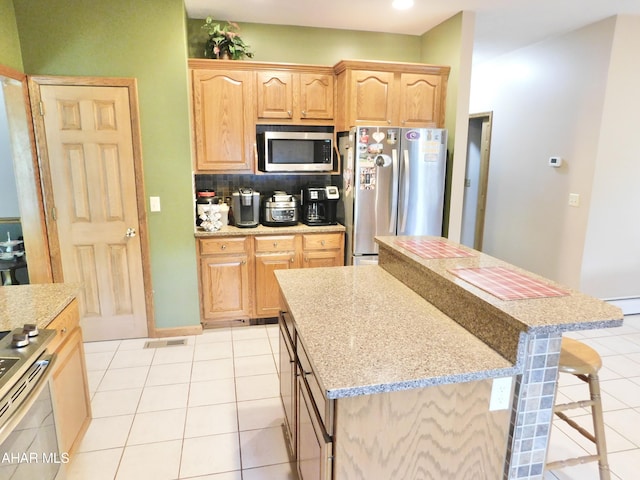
365, 332
300, 228
37, 303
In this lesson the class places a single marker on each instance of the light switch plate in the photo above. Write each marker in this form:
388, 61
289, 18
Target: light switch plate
154, 204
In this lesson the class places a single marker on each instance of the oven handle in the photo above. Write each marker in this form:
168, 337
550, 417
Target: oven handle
19, 413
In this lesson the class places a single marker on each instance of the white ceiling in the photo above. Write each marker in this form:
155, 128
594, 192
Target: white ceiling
501, 25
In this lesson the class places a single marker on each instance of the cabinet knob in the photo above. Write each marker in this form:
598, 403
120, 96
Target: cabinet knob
290, 113
223, 246
322, 242
243, 262
304, 113
389, 122
291, 260
63, 330
275, 244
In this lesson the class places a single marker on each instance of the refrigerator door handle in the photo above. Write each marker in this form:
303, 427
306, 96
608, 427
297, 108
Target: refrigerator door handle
394, 196
405, 206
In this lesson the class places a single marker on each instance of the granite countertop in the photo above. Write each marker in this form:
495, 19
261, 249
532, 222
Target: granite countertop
37, 303
366, 332
570, 312
300, 228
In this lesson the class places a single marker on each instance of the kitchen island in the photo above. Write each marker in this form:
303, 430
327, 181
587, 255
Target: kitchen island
399, 361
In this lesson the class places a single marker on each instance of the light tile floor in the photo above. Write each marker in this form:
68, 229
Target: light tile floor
210, 409
206, 410
620, 384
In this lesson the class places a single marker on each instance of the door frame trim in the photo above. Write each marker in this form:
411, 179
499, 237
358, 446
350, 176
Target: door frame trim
131, 84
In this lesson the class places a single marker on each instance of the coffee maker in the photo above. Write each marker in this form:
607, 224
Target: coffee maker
319, 205
246, 207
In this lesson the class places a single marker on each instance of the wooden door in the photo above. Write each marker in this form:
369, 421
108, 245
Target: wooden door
372, 100
267, 290
420, 100
225, 287
275, 94
88, 148
316, 96
224, 120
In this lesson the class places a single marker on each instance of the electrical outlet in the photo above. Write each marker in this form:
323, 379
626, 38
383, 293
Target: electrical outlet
501, 394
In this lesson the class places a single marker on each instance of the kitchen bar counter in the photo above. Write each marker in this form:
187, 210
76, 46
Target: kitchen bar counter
36, 303
366, 332
230, 231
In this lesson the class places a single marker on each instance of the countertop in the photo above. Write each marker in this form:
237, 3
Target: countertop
37, 303
300, 228
365, 332
570, 312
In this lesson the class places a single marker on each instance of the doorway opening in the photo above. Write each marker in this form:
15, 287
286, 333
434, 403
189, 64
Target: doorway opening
476, 179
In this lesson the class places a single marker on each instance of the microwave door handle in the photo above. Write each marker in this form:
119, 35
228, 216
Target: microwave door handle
406, 176
394, 195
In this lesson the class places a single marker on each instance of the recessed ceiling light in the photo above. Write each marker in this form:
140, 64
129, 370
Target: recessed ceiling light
402, 4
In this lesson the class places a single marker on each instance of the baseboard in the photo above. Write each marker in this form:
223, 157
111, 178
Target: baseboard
178, 331
629, 306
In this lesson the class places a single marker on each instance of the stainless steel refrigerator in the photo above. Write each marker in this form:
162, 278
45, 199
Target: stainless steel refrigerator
393, 184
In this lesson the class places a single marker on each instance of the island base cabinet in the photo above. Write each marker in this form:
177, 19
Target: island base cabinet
446, 431
287, 364
314, 446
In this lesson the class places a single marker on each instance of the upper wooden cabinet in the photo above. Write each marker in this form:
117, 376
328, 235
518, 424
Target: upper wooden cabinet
398, 94
291, 95
223, 120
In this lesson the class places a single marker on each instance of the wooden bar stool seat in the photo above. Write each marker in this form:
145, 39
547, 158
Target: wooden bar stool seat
582, 361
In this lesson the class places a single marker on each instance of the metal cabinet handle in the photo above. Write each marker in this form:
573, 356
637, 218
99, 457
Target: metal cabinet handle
243, 262
389, 122
63, 330
304, 113
130, 233
290, 113
275, 244
322, 242
223, 246
291, 260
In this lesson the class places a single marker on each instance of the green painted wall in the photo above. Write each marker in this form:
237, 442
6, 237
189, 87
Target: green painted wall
145, 40
321, 46
10, 55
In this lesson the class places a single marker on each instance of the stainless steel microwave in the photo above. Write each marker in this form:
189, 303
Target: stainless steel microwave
295, 151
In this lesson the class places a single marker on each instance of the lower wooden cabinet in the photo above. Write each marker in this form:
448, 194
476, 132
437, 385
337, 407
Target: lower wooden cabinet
288, 373
71, 401
237, 278
225, 273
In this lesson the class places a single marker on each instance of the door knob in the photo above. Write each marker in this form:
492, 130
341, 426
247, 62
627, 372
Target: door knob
131, 232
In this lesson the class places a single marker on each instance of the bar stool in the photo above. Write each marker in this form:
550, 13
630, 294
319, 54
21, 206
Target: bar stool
584, 362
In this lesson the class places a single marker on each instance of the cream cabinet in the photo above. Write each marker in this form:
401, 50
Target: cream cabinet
390, 94
223, 109
293, 95
226, 278
71, 401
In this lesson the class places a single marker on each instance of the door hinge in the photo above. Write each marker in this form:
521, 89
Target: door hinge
41, 108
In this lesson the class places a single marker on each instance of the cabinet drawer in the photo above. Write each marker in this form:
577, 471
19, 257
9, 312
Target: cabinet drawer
322, 403
213, 246
279, 243
64, 324
323, 241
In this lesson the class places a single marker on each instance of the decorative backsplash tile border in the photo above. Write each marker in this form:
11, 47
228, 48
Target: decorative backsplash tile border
532, 413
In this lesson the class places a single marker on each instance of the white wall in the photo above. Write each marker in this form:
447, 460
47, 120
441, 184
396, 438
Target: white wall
611, 263
547, 100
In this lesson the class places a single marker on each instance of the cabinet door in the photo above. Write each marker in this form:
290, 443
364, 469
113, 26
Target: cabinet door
316, 96
224, 120
275, 94
287, 366
70, 392
267, 291
322, 258
421, 100
225, 287
314, 447
371, 98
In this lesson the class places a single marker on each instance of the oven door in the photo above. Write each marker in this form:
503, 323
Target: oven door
28, 437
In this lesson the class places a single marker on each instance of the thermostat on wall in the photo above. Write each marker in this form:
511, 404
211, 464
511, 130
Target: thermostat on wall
555, 161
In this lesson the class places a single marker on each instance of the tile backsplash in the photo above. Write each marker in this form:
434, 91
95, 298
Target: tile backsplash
225, 184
